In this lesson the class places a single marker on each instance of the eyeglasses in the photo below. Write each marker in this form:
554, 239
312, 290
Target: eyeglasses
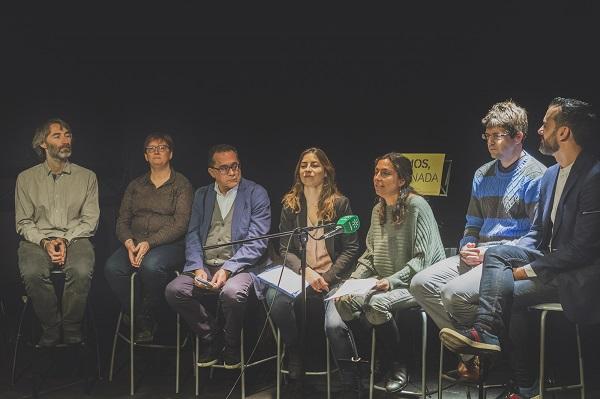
495, 136
224, 169
159, 148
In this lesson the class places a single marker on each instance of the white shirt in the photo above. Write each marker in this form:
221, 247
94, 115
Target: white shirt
226, 200
563, 174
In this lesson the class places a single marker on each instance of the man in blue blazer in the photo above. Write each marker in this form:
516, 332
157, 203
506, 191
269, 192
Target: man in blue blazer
557, 261
230, 209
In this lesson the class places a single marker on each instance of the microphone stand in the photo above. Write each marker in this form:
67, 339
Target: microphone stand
296, 231
303, 240
302, 232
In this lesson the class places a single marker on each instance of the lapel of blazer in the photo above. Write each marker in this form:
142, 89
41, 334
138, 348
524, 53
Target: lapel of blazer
209, 207
549, 195
574, 175
239, 207
301, 217
551, 176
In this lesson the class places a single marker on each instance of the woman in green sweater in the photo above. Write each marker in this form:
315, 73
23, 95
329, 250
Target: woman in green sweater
402, 240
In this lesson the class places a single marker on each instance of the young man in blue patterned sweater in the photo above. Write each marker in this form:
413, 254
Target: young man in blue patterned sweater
501, 209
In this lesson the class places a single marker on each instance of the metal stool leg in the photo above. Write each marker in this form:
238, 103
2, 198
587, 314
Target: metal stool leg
196, 371
114, 348
242, 364
579, 355
542, 351
13, 376
440, 371
328, 368
279, 360
372, 376
131, 334
177, 352
423, 354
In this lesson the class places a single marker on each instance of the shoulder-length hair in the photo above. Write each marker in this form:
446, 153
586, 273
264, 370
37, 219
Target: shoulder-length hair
403, 168
326, 205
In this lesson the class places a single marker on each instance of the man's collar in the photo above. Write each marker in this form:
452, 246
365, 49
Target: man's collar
66, 168
218, 190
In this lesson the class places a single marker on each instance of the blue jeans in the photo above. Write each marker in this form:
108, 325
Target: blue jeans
155, 272
503, 304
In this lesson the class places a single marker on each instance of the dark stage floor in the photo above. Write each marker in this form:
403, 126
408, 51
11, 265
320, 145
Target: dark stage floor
155, 378
155, 369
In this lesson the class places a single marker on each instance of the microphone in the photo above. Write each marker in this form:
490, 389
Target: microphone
346, 224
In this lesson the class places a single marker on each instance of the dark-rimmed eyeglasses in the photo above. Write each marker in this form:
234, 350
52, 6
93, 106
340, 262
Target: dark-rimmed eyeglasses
160, 148
224, 169
495, 136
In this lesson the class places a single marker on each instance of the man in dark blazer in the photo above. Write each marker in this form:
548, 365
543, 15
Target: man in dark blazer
557, 261
230, 209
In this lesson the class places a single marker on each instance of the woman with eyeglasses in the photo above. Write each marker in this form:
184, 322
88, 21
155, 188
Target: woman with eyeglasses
402, 240
152, 222
313, 200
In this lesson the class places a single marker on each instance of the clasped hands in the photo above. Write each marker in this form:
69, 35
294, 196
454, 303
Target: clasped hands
136, 252
56, 249
470, 255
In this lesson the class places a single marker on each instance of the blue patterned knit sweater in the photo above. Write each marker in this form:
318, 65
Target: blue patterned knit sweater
503, 202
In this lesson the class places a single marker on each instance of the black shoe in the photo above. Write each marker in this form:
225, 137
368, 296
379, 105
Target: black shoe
398, 379
231, 357
209, 351
145, 328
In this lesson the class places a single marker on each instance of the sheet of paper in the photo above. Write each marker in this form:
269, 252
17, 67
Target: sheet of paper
354, 286
291, 283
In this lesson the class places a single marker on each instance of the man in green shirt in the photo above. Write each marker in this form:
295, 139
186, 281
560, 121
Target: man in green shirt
56, 211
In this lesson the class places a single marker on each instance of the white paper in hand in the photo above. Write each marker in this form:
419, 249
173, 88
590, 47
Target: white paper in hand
290, 284
354, 286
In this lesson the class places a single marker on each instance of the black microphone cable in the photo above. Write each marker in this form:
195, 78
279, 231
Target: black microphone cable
268, 316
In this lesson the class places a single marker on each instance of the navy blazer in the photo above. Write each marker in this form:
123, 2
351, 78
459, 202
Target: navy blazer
251, 218
574, 260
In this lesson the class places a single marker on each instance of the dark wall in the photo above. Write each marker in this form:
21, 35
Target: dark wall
356, 82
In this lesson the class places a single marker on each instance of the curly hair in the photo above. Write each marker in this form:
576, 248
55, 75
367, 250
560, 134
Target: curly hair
508, 116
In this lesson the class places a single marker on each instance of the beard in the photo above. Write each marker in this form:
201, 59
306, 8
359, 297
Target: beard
549, 146
62, 153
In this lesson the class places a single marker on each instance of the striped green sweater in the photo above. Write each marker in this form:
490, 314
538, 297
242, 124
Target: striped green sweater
398, 252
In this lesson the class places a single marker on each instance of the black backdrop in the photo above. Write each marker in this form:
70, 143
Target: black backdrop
357, 82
